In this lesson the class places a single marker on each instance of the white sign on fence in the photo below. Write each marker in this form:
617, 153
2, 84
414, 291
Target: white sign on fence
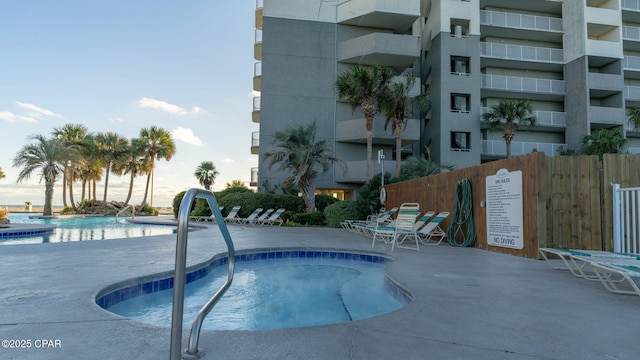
504, 209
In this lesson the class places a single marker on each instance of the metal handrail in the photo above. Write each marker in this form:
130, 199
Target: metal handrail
179, 279
133, 211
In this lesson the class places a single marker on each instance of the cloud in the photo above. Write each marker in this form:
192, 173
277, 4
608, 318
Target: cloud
166, 107
13, 118
227, 160
116, 120
186, 135
252, 159
37, 111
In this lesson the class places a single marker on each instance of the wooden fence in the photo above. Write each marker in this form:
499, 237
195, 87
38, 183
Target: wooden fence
567, 200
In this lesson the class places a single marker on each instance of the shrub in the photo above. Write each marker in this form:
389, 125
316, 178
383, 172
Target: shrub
322, 201
147, 209
341, 211
3, 213
177, 200
249, 201
67, 210
315, 218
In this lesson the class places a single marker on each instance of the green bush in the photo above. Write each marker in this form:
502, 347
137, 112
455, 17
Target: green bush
249, 201
67, 210
315, 218
322, 201
341, 211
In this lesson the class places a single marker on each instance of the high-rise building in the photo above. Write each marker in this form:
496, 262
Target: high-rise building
576, 61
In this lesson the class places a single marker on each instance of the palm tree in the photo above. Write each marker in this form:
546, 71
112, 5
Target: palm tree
111, 147
396, 105
634, 117
73, 136
364, 88
90, 168
235, 183
206, 174
508, 115
44, 155
300, 153
131, 162
2, 175
158, 145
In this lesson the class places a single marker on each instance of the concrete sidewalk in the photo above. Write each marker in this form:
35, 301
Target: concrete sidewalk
468, 304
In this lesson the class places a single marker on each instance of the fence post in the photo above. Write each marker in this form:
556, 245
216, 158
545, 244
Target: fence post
617, 220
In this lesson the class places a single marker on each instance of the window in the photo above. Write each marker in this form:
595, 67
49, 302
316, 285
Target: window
459, 28
460, 141
460, 65
460, 103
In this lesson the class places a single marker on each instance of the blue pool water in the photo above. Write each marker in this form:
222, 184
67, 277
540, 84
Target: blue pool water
81, 229
298, 289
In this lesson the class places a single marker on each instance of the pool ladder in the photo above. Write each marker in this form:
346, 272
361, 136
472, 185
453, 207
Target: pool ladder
179, 280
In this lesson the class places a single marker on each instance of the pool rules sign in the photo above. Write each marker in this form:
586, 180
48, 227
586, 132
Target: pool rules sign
504, 209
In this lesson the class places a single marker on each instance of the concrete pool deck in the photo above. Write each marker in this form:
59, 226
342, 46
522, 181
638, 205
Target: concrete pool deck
468, 304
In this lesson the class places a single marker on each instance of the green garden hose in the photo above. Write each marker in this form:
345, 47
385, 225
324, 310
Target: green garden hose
461, 231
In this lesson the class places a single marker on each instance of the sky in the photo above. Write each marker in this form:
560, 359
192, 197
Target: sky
122, 65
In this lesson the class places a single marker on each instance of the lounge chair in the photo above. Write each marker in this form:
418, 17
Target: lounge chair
232, 217
274, 218
209, 218
432, 233
607, 268
367, 227
423, 220
576, 260
260, 218
401, 228
252, 217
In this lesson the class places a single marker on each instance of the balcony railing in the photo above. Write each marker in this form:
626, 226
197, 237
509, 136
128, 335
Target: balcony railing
522, 21
259, 4
255, 138
632, 92
631, 62
256, 103
630, 32
631, 4
498, 147
543, 118
522, 84
519, 52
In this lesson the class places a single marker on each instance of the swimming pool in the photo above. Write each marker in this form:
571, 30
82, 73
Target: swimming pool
78, 229
275, 289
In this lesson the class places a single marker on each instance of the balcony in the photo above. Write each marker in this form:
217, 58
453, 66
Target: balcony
254, 177
257, 45
398, 51
631, 10
255, 114
259, 11
554, 119
631, 66
521, 26
255, 142
527, 57
632, 93
353, 131
541, 89
499, 148
257, 76
631, 37
398, 15
606, 115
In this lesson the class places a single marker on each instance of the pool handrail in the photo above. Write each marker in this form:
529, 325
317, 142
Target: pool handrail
179, 279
